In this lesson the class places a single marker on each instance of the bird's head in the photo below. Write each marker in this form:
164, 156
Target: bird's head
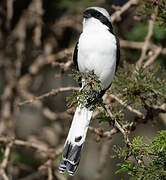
98, 14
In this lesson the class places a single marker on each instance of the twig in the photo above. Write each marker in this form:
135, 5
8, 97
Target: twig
56, 116
116, 16
154, 57
55, 59
5, 161
40, 148
138, 113
146, 43
139, 45
118, 125
48, 165
51, 93
101, 133
50, 176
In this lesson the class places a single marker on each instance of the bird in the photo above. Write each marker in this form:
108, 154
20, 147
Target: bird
97, 50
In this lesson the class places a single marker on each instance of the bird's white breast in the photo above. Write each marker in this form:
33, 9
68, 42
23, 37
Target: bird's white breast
97, 51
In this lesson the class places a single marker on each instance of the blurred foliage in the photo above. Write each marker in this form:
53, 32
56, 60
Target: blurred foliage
76, 5
52, 10
148, 160
139, 31
157, 7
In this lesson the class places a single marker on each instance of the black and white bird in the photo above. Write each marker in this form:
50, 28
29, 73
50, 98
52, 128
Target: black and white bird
97, 50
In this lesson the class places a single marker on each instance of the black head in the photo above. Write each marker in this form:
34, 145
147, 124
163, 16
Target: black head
99, 13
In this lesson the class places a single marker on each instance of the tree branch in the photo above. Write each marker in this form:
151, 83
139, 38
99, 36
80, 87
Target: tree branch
116, 16
146, 42
51, 93
4, 162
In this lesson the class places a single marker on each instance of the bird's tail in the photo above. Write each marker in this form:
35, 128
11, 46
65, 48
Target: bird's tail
72, 149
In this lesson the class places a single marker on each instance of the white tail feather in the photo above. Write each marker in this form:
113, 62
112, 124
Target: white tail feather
79, 125
72, 149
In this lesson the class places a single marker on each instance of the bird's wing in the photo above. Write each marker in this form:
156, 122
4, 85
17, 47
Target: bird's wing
75, 59
117, 53
75, 56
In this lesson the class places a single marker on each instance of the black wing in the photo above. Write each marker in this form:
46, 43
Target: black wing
117, 53
75, 56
